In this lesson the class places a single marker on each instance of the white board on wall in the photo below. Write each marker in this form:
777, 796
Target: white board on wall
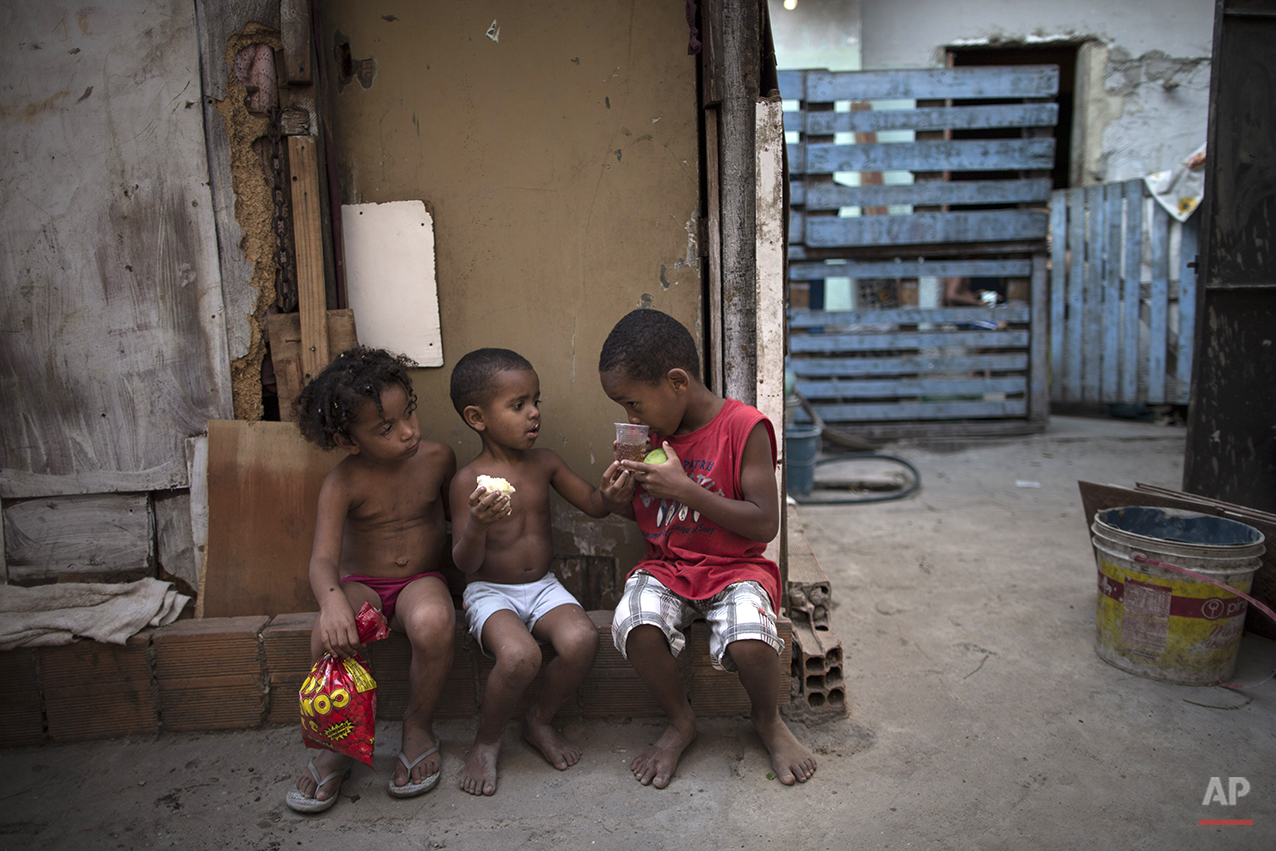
390, 283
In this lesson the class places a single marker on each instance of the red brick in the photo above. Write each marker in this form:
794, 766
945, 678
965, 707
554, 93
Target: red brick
390, 659
97, 691
210, 673
286, 643
20, 717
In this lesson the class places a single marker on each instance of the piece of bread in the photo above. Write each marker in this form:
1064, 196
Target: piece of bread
495, 483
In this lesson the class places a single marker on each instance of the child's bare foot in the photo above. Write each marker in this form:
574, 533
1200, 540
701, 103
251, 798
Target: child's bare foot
790, 759
416, 742
479, 775
655, 766
561, 753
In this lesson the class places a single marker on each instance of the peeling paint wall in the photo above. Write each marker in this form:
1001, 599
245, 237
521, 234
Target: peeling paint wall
559, 157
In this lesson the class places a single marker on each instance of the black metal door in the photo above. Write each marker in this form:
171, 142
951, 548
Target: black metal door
1231, 445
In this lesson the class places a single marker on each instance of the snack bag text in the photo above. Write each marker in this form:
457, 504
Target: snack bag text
339, 698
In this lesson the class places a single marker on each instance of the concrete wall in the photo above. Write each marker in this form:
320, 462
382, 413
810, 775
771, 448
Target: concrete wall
1143, 75
560, 162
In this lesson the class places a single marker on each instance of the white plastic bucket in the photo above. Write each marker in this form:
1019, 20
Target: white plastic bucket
1159, 623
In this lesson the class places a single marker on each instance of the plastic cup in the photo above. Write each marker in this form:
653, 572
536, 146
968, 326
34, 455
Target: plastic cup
631, 442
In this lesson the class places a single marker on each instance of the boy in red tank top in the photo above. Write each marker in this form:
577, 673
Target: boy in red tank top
707, 514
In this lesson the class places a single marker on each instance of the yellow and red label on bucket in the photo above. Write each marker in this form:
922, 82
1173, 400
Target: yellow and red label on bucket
1190, 629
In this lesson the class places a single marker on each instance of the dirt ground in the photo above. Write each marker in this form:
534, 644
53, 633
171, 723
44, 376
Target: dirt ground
980, 716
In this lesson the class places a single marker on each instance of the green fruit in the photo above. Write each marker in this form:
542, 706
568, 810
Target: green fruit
656, 456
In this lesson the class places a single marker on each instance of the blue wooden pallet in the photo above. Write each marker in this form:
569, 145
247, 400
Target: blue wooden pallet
1121, 325
915, 370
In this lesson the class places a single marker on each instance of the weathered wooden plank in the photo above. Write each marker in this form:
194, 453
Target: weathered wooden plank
1009, 81
926, 228
1076, 294
307, 235
284, 332
796, 154
834, 196
1158, 303
904, 387
1187, 311
217, 21
932, 118
294, 32
174, 539
1092, 310
819, 270
1111, 372
955, 155
823, 343
263, 491
1038, 394
713, 220
1015, 313
106, 535
1058, 288
792, 85
869, 412
114, 342
197, 472
1131, 296
911, 365
797, 227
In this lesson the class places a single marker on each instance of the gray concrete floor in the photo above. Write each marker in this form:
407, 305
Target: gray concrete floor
980, 716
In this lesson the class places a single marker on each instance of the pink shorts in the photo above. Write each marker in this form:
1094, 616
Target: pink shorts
389, 588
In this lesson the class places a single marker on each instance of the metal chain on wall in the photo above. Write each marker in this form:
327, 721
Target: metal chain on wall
285, 268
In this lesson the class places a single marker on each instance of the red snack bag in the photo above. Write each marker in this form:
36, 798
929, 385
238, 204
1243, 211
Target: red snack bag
339, 698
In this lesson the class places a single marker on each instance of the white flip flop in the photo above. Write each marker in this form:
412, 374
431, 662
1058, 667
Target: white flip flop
410, 789
299, 802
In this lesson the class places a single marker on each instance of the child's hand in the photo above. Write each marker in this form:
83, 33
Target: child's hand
337, 629
486, 507
663, 481
618, 484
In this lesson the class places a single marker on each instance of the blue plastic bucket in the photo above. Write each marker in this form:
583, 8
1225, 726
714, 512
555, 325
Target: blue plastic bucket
801, 445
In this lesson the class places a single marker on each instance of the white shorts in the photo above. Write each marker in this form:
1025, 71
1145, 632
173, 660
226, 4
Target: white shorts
531, 601
738, 612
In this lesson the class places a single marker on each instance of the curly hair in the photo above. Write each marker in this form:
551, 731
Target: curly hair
330, 403
472, 375
646, 344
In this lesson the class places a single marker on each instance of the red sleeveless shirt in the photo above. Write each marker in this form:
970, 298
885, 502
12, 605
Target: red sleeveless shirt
691, 555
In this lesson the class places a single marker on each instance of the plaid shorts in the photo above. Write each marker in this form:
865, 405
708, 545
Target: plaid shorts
740, 611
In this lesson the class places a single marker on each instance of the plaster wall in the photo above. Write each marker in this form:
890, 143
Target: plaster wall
559, 157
